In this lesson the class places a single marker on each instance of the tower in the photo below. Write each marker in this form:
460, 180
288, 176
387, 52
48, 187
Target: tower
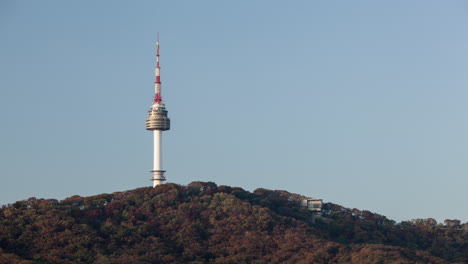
157, 121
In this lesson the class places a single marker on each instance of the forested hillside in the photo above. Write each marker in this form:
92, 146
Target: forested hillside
206, 223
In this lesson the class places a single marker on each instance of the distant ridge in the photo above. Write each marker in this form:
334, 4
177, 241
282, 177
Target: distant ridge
206, 223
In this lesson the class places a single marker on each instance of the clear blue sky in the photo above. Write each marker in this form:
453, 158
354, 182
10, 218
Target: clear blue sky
360, 103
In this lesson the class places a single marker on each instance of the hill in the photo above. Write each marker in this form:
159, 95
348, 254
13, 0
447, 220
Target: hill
206, 223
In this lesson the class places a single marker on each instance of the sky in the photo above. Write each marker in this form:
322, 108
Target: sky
359, 103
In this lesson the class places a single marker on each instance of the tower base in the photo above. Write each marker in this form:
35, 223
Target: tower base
158, 177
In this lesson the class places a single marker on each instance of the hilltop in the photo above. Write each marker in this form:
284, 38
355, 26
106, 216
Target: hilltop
206, 223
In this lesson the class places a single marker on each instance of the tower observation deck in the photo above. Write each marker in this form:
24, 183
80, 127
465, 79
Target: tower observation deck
157, 118
157, 121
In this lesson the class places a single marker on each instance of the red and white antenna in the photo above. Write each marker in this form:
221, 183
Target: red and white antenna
157, 82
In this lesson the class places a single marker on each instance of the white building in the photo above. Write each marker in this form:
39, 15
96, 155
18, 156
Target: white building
313, 204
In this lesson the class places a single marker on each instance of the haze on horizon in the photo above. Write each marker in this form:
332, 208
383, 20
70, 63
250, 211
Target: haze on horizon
360, 103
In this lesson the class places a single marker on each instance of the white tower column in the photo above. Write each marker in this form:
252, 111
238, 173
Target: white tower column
158, 173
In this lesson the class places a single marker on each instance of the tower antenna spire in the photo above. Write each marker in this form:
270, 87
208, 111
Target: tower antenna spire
157, 81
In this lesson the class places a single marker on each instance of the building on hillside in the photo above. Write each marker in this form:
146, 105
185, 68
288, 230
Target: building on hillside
313, 204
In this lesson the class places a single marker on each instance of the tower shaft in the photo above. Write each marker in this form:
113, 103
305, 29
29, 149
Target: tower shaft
158, 173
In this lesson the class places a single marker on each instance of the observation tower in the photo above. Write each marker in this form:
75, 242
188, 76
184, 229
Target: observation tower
157, 121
